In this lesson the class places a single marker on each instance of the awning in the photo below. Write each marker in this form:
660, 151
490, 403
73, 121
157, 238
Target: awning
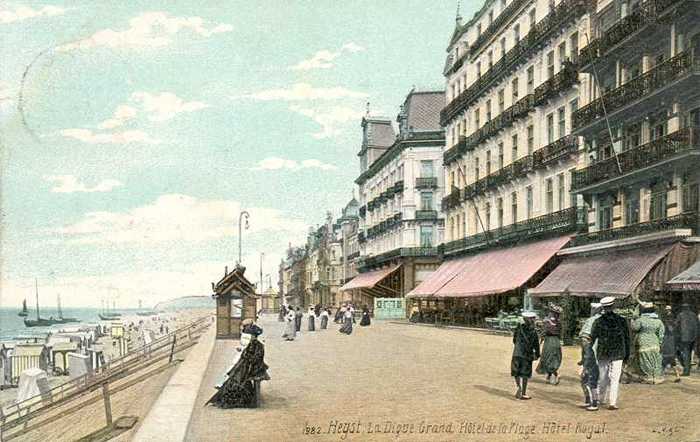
688, 280
491, 272
613, 273
368, 280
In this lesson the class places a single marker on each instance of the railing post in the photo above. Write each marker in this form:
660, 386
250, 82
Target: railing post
172, 348
108, 404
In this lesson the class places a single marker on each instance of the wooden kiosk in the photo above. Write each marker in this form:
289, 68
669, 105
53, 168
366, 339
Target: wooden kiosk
235, 302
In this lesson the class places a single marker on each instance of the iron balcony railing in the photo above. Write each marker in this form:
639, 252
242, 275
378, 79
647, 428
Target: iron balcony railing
426, 182
640, 157
426, 214
385, 196
563, 221
546, 28
452, 200
496, 25
384, 226
555, 151
556, 85
687, 220
403, 252
639, 87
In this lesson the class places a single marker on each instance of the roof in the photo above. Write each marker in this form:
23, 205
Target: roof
29, 349
234, 280
369, 279
686, 280
380, 132
613, 273
422, 110
489, 273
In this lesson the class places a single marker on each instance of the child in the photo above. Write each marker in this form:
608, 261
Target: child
589, 374
526, 348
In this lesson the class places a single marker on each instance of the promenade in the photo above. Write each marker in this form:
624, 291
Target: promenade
400, 382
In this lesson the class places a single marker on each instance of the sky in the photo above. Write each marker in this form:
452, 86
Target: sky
133, 134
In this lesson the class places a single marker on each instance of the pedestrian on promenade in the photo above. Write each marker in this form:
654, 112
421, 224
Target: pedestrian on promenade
290, 329
669, 347
297, 318
340, 314
282, 313
312, 319
589, 362
347, 324
697, 344
687, 327
649, 335
317, 310
526, 348
351, 308
551, 347
611, 335
365, 317
325, 314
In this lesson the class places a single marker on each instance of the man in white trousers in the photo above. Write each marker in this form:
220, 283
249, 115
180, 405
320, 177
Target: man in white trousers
611, 334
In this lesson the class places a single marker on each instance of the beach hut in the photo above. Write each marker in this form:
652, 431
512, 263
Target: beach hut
59, 355
235, 302
5, 366
29, 355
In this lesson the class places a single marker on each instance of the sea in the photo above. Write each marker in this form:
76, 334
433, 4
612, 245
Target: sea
12, 326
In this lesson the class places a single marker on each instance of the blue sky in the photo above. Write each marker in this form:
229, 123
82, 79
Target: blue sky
133, 134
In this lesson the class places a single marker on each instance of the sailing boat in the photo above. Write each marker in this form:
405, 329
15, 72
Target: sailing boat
39, 322
61, 319
107, 315
24, 311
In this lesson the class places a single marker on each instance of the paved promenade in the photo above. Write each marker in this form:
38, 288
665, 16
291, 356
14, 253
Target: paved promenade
427, 384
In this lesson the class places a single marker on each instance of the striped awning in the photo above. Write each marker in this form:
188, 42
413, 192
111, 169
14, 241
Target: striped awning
369, 280
689, 280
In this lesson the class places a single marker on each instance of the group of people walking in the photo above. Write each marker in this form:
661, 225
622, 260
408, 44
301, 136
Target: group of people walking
345, 315
607, 344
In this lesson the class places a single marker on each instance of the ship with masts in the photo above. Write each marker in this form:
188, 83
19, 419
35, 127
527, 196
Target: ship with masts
44, 322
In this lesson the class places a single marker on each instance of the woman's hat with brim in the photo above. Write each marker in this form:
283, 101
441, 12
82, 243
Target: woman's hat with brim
607, 301
555, 308
529, 315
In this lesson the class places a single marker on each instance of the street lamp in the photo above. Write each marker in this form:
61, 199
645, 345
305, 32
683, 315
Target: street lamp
240, 231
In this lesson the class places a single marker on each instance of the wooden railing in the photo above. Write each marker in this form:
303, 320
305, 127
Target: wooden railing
688, 220
640, 157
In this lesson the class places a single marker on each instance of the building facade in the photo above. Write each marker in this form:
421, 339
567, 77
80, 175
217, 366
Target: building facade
400, 189
293, 277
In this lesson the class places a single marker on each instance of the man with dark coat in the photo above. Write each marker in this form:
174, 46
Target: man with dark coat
526, 348
297, 319
611, 336
687, 331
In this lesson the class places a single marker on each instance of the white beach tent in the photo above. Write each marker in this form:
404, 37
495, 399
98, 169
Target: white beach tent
33, 382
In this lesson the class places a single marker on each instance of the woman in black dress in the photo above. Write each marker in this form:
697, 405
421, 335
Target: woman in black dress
526, 348
365, 317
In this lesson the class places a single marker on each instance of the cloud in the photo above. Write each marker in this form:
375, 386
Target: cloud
331, 119
122, 114
276, 163
70, 184
176, 218
304, 91
21, 13
148, 30
165, 105
125, 137
324, 58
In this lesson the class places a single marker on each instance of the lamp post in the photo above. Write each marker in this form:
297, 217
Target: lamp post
240, 231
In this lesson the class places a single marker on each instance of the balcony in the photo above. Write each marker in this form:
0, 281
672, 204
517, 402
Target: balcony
553, 152
556, 223
452, 200
688, 220
495, 27
556, 85
403, 252
639, 87
426, 214
398, 186
638, 158
545, 29
518, 169
426, 182
455, 152
384, 226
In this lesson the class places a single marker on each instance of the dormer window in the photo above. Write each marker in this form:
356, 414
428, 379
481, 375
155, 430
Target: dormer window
478, 30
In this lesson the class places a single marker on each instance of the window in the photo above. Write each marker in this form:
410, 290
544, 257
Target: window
533, 17
550, 64
530, 139
657, 206
426, 236
514, 88
574, 46
551, 6
573, 107
632, 208
499, 209
488, 162
477, 119
561, 190
503, 47
516, 34
514, 148
605, 216
657, 130
562, 121
550, 128
426, 168
487, 216
530, 80
530, 202
501, 101
500, 155
562, 54
476, 168
478, 70
478, 30
514, 207
488, 111
490, 17
490, 59
452, 179
426, 200
690, 197
549, 199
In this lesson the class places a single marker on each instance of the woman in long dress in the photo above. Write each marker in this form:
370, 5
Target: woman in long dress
347, 322
325, 314
290, 328
649, 331
339, 315
312, 319
297, 318
551, 348
365, 317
